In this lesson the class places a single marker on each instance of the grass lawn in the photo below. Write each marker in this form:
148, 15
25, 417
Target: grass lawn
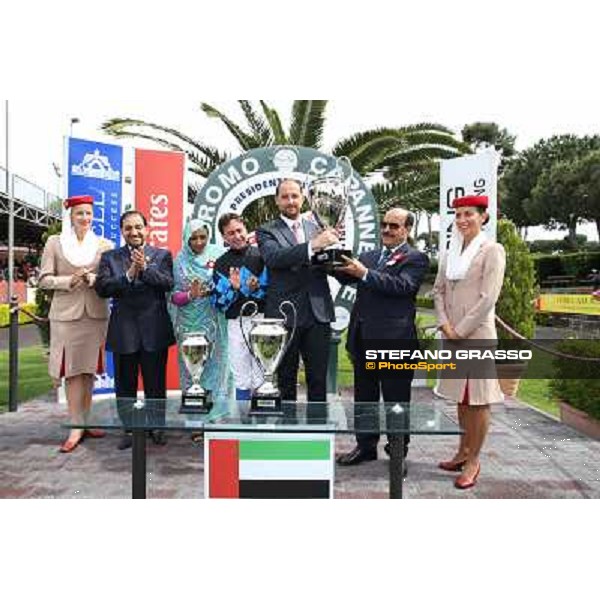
33, 375
537, 393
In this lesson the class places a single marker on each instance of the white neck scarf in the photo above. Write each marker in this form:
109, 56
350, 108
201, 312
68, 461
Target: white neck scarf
458, 262
79, 254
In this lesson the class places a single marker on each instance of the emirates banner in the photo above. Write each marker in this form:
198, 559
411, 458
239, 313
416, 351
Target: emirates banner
96, 169
472, 175
160, 193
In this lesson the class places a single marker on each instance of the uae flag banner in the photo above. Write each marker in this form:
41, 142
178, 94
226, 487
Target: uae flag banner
269, 466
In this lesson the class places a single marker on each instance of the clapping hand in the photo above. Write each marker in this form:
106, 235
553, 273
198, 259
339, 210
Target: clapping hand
138, 263
234, 278
196, 289
78, 278
88, 277
138, 258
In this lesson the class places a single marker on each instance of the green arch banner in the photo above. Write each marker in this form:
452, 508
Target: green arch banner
237, 184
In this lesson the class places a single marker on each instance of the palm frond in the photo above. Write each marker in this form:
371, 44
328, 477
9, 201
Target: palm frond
279, 136
415, 195
244, 139
374, 150
200, 165
418, 154
308, 123
259, 127
347, 146
119, 127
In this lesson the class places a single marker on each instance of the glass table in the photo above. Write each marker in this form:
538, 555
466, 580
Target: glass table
396, 420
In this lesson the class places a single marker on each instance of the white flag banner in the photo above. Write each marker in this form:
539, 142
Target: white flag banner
472, 175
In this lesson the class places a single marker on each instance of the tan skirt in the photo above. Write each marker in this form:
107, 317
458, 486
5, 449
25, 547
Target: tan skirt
77, 347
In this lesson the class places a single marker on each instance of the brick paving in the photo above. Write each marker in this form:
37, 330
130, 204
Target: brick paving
528, 455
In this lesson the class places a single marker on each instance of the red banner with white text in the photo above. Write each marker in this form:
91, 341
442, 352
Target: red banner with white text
160, 193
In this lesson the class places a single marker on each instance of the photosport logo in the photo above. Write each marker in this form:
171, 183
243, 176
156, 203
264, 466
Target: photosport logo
96, 166
253, 176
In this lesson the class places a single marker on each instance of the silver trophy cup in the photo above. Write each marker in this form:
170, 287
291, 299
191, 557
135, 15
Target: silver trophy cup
267, 341
196, 348
328, 200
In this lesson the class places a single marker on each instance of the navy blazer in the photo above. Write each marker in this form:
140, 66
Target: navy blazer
385, 303
139, 318
291, 275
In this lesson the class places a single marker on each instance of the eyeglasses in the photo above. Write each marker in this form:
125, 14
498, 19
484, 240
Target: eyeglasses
392, 226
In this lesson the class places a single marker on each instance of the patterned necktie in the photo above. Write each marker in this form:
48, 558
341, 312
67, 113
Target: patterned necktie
385, 255
296, 229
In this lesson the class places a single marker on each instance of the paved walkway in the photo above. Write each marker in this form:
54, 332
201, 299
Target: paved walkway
528, 455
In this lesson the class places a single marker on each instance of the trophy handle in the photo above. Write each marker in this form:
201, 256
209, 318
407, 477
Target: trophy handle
212, 332
295, 313
254, 307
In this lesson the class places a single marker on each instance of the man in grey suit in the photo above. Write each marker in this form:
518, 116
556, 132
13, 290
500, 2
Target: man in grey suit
287, 245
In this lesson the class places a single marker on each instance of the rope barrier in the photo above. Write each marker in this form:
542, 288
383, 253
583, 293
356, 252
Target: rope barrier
37, 319
518, 336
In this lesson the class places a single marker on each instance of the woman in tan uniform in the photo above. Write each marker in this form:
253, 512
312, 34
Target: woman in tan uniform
465, 292
78, 316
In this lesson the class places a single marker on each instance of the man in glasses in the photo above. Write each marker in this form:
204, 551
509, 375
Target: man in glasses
387, 284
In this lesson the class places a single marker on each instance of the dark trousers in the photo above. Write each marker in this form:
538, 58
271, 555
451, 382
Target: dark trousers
369, 388
312, 343
154, 377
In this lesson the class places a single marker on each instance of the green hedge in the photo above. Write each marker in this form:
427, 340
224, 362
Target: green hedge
577, 264
23, 318
424, 302
432, 271
572, 383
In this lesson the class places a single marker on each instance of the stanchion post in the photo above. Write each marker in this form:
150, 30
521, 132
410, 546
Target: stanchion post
13, 351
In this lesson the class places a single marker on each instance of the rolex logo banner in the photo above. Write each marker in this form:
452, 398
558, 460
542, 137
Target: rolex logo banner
269, 466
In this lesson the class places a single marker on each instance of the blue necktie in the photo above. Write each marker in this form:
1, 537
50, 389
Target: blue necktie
385, 255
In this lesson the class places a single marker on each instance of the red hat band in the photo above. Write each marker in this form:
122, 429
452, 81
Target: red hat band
482, 201
77, 200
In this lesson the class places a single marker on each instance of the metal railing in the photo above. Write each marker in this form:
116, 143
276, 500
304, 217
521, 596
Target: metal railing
29, 193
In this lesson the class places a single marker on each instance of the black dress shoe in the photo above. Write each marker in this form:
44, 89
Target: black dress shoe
356, 456
125, 442
158, 437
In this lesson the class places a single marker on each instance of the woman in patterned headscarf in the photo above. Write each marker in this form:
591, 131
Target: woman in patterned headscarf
192, 309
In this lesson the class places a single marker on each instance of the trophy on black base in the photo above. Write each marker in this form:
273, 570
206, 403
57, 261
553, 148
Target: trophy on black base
328, 200
267, 340
195, 350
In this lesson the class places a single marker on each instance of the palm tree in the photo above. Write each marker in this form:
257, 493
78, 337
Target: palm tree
392, 151
370, 151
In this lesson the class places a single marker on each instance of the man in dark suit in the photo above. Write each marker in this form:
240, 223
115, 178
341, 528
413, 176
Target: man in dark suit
287, 245
137, 277
387, 284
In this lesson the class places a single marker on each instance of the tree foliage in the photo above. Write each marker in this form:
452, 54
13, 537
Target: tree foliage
517, 199
485, 134
515, 304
